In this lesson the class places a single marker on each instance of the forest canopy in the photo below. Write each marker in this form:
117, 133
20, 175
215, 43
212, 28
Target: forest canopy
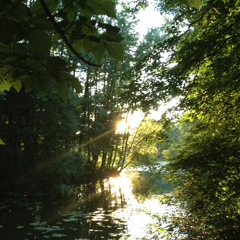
61, 66
203, 147
41, 41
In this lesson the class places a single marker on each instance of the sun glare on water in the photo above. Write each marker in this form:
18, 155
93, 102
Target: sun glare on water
137, 215
121, 183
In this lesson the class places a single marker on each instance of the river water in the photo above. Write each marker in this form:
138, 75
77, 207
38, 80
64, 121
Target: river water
106, 210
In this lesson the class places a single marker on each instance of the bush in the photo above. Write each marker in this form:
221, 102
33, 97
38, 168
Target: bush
51, 176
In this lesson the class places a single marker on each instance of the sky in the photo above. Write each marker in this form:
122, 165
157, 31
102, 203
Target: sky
137, 116
148, 18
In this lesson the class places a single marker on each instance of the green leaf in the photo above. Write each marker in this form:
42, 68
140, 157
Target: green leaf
94, 39
20, 11
87, 45
52, 5
76, 84
29, 84
17, 85
58, 62
56, 37
101, 7
41, 22
2, 142
35, 224
5, 86
62, 89
77, 45
40, 43
195, 3
98, 52
57, 228
115, 50
109, 27
38, 9
111, 37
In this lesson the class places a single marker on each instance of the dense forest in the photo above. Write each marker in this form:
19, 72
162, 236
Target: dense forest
59, 104
71, 70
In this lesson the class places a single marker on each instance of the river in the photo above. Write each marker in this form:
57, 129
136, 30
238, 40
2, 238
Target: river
106, 210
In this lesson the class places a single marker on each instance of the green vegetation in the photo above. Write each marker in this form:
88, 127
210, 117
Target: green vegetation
202, 145
59, 109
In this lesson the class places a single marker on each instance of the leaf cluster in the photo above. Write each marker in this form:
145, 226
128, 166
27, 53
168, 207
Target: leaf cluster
37, 38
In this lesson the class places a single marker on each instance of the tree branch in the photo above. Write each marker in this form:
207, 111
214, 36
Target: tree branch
61, 33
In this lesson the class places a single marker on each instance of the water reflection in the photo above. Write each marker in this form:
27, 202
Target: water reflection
105, 210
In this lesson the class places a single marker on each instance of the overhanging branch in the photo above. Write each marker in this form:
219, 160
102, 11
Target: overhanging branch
61, 33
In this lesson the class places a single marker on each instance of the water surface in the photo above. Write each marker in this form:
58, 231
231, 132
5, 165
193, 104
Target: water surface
106, 210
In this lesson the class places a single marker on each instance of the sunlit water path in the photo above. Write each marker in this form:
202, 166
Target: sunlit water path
107, 210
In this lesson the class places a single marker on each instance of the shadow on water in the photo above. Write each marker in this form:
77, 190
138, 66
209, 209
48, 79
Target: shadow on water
89, 216
100, 211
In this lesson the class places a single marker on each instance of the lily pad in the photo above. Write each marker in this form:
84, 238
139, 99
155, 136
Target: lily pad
35, 224
57, 228
74, 229
20, 227
47, 229
71, 219
59, 223
58, 235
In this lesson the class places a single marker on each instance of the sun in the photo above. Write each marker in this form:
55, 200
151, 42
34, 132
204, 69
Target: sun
129, 122
122, 127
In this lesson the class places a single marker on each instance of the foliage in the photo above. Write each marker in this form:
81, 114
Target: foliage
201, 39
142, 186
147, 183
35, 131
205, 166
143, 146
57, 176
38, 36
37, 127
102, 107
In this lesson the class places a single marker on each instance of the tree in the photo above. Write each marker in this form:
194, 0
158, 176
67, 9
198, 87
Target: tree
36, 129
38, 35
202, 40
50, 136
102, 106
143, 146
31, 30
